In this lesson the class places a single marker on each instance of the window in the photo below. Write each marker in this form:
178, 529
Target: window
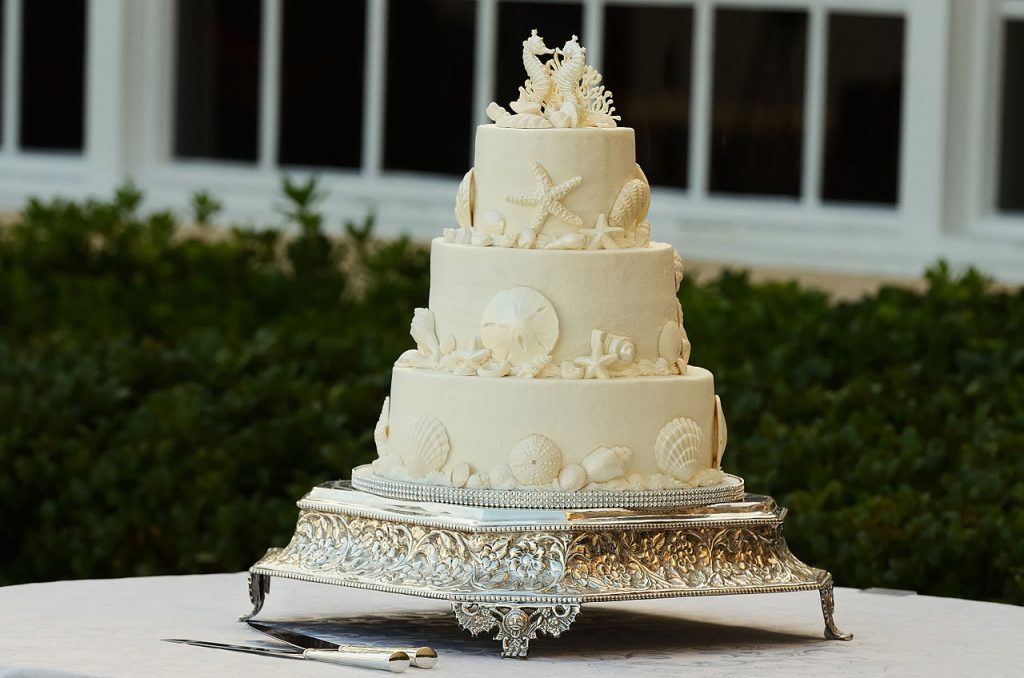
321, 92
52, 74
428, 112
1010, 192
217, 107
3, 14
647, 67
757, 114
556, 22
864, 88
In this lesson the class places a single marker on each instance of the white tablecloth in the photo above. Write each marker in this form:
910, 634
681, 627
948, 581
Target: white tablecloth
114, 627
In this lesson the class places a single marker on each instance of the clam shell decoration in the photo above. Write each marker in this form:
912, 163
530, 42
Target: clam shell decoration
572, 478
461, 474
535, 460
670, 344
680, 450
519, 325
380, 432
631, 205
464, 200
719, 434
423, 445
607, 463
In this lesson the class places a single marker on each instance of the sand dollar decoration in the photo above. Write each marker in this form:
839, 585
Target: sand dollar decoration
519, 325
679, 450
424, 445
535, 460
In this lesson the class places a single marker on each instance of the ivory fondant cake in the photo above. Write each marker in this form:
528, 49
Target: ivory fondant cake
552, 354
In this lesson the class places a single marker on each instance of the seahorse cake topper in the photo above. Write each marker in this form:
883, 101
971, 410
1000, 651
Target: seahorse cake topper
563, 91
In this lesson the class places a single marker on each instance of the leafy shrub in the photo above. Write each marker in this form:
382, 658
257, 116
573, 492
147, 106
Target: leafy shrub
166, 396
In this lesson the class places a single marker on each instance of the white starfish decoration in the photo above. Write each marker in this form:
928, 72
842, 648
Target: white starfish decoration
467, 361
595, 365
548, 199
602, 235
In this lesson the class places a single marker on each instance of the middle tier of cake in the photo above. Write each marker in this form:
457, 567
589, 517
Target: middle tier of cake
555, 310
643, 433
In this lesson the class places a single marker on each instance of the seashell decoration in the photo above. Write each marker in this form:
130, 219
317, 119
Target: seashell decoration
680, 450
670, 343
380, 431
572, 478
424, 332
677, 269
569, 241
630, 206
494, 224
535, 460
501, 477
607, 463
719, 434
624, 348
461, 474
424, 445
519, 325
478, 481
464, 200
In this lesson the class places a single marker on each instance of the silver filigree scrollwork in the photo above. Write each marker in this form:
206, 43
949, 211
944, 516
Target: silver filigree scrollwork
828, 608
516, 625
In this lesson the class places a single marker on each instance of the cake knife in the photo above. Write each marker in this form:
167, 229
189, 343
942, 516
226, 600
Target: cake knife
420, 657
364, 657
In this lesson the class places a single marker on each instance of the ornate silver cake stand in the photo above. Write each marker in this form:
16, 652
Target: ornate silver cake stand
521, 572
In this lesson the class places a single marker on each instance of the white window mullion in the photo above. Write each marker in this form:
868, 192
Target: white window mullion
700, 99
11, 77
374, 89
593, 32
486, 47
270, 84
814, 104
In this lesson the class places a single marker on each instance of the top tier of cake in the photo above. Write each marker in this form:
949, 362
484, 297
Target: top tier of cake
556, 173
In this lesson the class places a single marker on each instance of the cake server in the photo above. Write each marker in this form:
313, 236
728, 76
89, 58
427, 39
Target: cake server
365, 657
420, 657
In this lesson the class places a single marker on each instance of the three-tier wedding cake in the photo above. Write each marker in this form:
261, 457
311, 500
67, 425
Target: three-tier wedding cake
552, 355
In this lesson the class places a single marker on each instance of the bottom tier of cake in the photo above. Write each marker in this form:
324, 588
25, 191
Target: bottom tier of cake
629, 433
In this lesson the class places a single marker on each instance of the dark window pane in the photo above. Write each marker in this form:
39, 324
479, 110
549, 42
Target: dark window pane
322, 83
1011, 151
555, 22
647, 67
864, 88
429, 114
757, 113
52, 74
218, 80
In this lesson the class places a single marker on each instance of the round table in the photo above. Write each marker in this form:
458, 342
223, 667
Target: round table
113, 628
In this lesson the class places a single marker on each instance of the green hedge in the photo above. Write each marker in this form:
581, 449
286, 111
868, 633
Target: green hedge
167, 394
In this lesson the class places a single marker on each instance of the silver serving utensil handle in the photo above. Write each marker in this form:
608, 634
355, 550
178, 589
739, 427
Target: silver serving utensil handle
420, 657
395, 661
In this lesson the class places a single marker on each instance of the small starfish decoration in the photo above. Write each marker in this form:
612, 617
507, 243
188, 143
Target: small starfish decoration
548, 199
595, 365
602, 236
466, 362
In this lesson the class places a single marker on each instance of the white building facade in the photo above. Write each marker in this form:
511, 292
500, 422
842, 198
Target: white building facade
862, 136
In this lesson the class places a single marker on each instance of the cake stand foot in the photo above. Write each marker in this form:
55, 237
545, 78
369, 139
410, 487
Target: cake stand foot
828, 606
517, 624
259, 588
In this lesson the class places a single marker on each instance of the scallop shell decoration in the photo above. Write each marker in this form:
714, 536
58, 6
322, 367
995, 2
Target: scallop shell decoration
380, 432
519, 325
679, 450
719, 434
424, 445
535, 460
464, 200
